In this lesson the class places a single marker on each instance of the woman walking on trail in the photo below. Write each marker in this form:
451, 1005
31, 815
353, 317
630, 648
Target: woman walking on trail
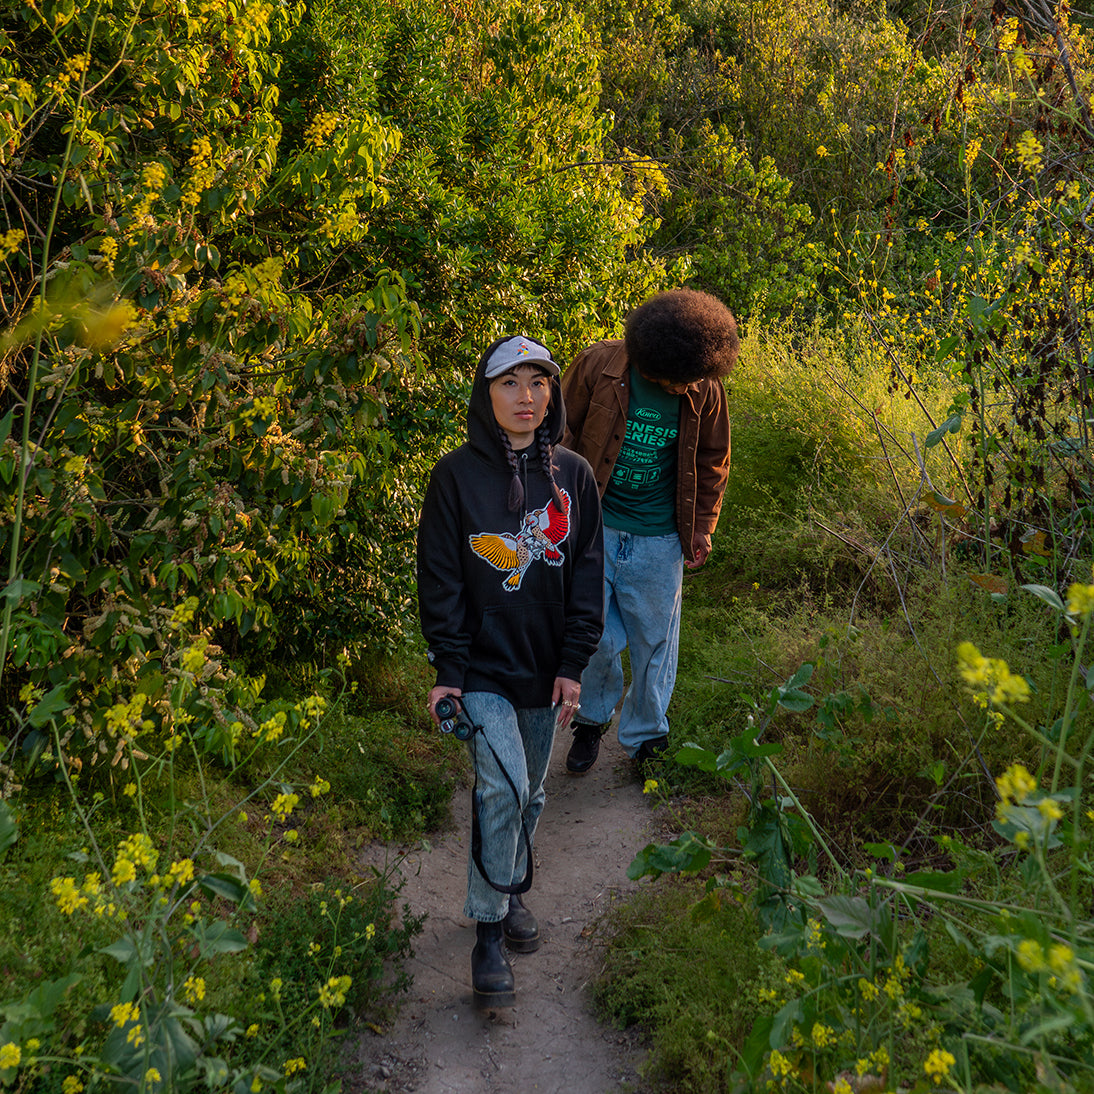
510, 596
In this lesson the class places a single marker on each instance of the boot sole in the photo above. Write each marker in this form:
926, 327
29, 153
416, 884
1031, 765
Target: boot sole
483, 1000
523, 945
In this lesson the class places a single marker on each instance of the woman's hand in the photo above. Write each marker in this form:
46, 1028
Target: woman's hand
565, 697
436, 693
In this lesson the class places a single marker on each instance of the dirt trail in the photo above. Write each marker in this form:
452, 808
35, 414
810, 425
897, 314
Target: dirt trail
549, 1043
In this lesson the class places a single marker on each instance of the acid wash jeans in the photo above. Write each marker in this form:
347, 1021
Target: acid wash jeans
643, 583
521, 740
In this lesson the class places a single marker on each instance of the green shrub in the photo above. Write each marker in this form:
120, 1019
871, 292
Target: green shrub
687, 975
332, 930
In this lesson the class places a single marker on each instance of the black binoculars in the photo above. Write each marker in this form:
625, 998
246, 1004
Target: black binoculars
454, 718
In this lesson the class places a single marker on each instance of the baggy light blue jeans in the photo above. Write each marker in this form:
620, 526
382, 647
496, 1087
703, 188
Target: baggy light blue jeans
521, 740
643, 584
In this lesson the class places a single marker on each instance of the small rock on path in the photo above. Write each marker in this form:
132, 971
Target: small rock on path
549, 1042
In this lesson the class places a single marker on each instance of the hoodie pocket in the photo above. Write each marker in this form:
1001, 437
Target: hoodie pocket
521, 640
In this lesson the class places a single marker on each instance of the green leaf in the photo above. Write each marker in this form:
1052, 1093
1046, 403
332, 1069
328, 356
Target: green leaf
849, 916
218, 937
222, 885
687, 854
794, 700
950, 425
946, 347
122, 950
19, 588
691, 755
50, 706
1049, 596
9, 830
759, 1041
881, 850
802, 676
946, 881
789, 1015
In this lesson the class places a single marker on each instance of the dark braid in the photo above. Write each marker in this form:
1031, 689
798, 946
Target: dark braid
516, 487
546, 459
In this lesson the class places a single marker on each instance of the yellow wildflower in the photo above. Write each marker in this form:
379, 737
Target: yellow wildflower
1030, 955
10, 1055
1050, 809
123, 1013
780, 1066
333, 993
181, 872
69, 897
938, 1064
284, 804
1015, 784
989, 677
1080, 599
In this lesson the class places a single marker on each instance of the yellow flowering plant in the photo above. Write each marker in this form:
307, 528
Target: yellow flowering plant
170, 919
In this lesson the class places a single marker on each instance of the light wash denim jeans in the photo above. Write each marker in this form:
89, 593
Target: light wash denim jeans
522, 741
643, 582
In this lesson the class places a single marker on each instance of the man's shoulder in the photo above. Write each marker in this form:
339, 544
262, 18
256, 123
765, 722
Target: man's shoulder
609, 355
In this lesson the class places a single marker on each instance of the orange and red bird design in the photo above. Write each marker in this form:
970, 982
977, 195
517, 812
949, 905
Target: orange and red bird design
544, 529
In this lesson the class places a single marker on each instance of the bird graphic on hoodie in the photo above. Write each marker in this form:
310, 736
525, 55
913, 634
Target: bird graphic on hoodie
539, 538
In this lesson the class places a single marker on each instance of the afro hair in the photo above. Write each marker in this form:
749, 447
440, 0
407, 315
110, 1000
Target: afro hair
681, 336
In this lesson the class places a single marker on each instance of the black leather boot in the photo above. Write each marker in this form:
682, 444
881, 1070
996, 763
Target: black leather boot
586, 746
492, 981
521, 928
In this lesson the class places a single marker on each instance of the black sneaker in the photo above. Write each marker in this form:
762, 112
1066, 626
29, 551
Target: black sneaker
653, 749
586, 747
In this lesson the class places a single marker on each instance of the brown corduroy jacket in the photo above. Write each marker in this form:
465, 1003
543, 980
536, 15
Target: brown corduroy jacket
596, 390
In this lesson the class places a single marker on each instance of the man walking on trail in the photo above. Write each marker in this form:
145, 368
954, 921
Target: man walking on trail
649, 413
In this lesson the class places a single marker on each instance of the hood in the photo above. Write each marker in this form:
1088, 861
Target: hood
482, 429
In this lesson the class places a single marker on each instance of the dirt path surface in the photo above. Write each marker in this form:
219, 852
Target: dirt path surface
549, 1042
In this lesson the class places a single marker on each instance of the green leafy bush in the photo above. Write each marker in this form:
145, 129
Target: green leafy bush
691, 975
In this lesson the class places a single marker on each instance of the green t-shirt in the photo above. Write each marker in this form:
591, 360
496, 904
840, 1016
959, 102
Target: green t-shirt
641, 494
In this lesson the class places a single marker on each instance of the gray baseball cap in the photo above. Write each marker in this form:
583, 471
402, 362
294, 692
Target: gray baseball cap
520, 350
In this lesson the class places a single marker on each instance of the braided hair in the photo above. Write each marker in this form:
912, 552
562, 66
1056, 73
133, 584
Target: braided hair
546, 458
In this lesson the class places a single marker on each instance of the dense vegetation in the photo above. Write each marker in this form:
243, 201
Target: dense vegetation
250, 254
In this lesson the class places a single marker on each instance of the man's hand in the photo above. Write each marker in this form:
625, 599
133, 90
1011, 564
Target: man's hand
700, 550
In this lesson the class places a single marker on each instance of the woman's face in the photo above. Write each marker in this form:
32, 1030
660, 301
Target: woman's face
519, 399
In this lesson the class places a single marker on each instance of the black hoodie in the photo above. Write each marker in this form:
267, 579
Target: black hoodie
509, 601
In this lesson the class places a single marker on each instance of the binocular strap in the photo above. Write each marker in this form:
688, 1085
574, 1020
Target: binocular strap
525, 883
